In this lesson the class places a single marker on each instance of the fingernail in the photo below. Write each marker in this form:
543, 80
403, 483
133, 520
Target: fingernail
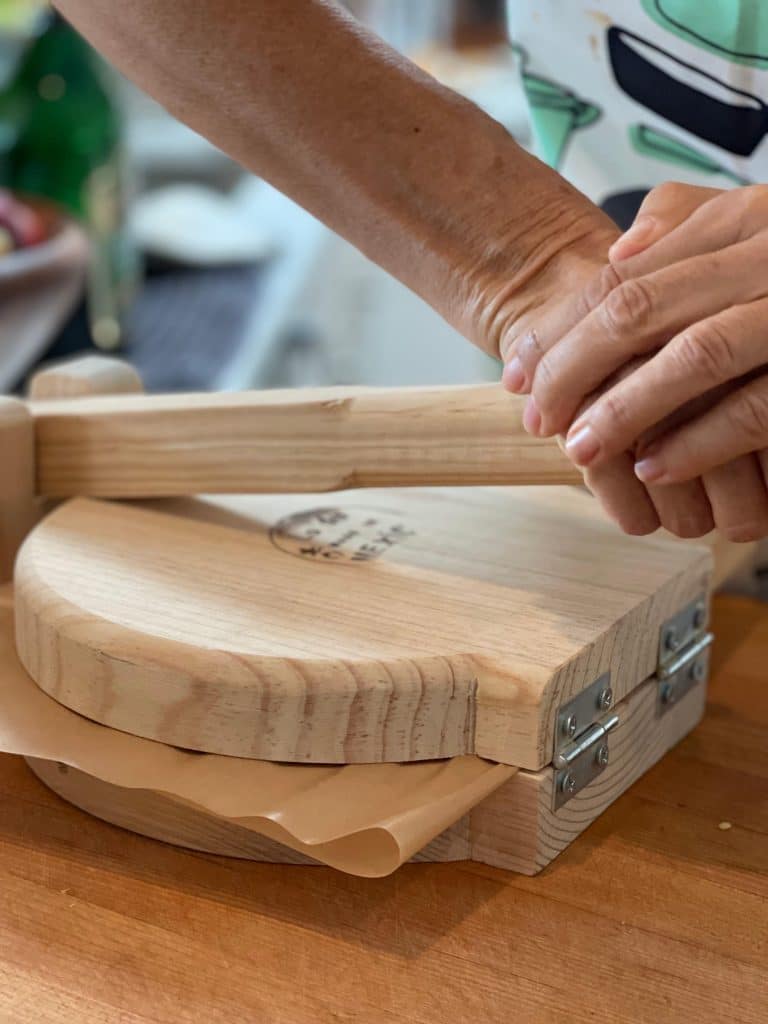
583, 446
513, 377
650, 469
532, 417
634, 238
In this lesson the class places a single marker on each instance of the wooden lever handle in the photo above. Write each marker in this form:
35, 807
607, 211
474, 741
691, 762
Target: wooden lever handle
127, 446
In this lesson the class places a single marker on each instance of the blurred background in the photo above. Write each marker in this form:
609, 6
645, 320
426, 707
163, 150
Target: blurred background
123, 231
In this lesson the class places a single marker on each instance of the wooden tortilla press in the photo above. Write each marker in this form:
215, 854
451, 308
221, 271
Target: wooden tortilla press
387, 625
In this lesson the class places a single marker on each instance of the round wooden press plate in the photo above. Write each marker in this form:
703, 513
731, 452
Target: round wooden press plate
362, 626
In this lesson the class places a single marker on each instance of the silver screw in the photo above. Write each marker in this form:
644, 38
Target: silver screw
568, 784
699, 616
698, 671
570, 725
671, 639
602, 755
668, 694
605, 698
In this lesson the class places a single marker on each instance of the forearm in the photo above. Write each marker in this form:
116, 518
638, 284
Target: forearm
416, 177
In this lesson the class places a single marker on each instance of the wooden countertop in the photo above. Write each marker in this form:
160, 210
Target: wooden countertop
655, 915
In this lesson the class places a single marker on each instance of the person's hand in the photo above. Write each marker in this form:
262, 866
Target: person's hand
576, 286
689, 311
540, 273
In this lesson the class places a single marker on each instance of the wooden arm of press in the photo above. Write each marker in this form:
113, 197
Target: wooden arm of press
19, 507
131, 446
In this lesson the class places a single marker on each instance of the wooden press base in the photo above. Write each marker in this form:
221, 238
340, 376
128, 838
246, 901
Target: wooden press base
514, 828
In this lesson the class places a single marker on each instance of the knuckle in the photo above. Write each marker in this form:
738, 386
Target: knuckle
707, 351
665, 194
627, 306
614, 413
749, 201
545, 376
598, 288
749, 416
752, 196
530, 350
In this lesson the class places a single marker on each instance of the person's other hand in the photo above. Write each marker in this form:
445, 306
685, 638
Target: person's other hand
688, 309
566, 290
574, 286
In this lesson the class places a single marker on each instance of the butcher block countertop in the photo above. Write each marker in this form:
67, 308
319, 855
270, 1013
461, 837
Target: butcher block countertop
658, 913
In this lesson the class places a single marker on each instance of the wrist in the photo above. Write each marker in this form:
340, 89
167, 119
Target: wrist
543, 239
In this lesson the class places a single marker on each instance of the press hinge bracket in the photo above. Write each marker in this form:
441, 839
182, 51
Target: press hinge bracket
581, 750
689, 669
683, 660
680, 630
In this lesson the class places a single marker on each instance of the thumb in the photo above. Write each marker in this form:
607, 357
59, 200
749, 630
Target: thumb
663, 209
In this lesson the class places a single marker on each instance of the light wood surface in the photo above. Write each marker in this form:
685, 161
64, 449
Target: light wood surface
18, 507
446, 622
653, 916
515, 828
85, 375
298, 440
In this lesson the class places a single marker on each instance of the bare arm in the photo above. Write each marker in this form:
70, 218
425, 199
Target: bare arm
419, 179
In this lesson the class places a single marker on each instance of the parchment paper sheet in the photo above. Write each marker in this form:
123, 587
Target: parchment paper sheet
364, 819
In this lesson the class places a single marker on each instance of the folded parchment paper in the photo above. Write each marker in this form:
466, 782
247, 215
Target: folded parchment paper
364, 819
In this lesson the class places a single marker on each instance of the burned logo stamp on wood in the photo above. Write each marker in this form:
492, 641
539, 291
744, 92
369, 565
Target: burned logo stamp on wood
342, 535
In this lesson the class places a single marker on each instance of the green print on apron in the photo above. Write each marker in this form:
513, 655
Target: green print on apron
659, 146
735, 29
556, 113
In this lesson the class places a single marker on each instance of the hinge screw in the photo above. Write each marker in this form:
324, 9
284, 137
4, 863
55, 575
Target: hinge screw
570, 725
568, 783
671, 639
605, 699
698, 671
668, 694
699, 616
602, 755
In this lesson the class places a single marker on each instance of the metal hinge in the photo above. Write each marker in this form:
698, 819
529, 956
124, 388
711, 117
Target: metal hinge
583, 760
581, 748
581, 741
683, 654
679, 630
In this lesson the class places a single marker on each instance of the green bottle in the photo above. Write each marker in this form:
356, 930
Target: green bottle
60, 137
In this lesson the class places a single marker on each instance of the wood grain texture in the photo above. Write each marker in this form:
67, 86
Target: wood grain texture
446, 622
18, 508
516, 828
85, 375
659, 916
289, 441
